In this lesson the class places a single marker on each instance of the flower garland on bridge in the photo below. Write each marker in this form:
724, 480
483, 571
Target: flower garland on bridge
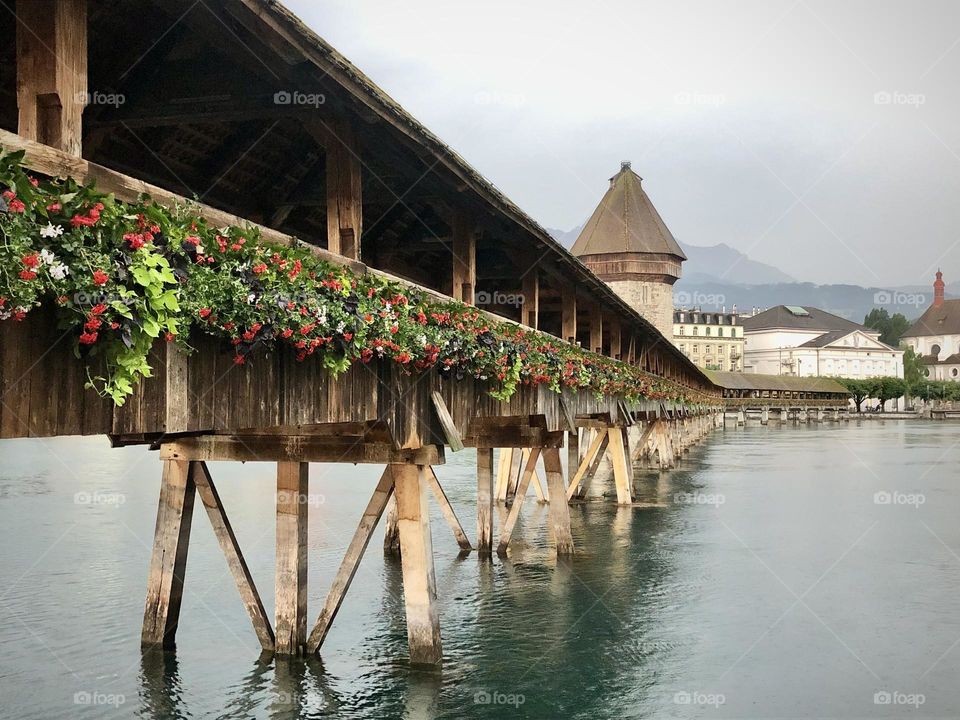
125, 274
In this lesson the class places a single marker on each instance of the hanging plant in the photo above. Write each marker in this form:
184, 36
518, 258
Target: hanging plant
123, 275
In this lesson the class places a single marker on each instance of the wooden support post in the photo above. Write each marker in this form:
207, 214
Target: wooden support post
291, 569
447, 509
168, 562
484, 501
419, 581
391, 535
351, 560
559, 511
531, 298
568, 313
464, 257
528, 472
52, 71
573, 453
344, 187
503, 473
615, 341
596, 329
231, 551
516, 465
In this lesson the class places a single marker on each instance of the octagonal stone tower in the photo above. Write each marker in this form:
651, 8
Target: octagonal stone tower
627, 245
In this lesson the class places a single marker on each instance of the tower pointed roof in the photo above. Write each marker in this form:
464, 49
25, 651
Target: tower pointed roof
626, 221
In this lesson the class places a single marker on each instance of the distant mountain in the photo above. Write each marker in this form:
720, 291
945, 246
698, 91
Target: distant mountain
726, 264
719, 276
720, 263
850, 301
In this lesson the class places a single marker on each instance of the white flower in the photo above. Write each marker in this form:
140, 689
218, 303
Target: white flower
387, 306
251, 298
200, 250
59, 271
341, 326
51, 231
47, 257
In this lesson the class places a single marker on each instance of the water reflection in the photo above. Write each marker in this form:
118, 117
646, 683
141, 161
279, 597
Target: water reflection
161, 692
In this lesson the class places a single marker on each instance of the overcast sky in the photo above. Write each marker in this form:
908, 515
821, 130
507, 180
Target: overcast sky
754, 123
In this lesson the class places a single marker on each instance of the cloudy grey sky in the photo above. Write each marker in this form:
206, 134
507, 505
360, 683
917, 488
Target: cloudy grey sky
754, 123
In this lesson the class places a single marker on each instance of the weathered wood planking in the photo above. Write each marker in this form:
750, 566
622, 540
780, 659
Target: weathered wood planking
206, 392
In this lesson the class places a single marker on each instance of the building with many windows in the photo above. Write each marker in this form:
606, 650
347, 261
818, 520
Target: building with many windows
712, 340
806, 341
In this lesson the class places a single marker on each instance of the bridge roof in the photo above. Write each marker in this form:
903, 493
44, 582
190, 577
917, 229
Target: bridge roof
204, 122
755, 381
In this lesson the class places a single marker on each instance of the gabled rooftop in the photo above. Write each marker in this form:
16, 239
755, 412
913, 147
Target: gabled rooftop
814, 319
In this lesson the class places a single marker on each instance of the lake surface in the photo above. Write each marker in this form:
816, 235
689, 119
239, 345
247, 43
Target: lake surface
791, 572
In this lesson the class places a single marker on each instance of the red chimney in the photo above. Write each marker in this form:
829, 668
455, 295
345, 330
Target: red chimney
938, 290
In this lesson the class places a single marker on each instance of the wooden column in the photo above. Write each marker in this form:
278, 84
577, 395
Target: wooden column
568, 298
531, 298
559, 511
619, 460
615, 341
344, 198
391, 534
596, 329
419, 581
485, 501
464, 258
573, 453
52, 71
168, 562
291, 569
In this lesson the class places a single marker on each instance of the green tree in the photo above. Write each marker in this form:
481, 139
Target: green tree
859, 389
891, 328
912, 368
889, 388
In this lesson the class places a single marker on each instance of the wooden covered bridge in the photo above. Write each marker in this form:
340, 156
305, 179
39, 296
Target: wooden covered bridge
237, 106
782, 397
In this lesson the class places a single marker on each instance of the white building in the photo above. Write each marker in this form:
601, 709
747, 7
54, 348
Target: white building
712, 340
935, 337
807, 342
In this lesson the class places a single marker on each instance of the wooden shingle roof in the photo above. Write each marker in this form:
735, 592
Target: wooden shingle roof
626, 221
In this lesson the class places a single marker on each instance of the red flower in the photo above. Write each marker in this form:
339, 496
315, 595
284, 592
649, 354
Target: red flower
98, 309
34, 182
366, 354
205, 313
92, 324
88, 338
286, 333
100, 278
54, 207
170, 337
27, 275
192, 240
114, 325
259, 268
30, 261
239, 359
348, 336
228, 326
3, 301
249, 335
16, 206
402, 358
19, 315
134, 240
81, 220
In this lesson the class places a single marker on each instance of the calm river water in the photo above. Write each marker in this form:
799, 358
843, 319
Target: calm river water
792, 572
